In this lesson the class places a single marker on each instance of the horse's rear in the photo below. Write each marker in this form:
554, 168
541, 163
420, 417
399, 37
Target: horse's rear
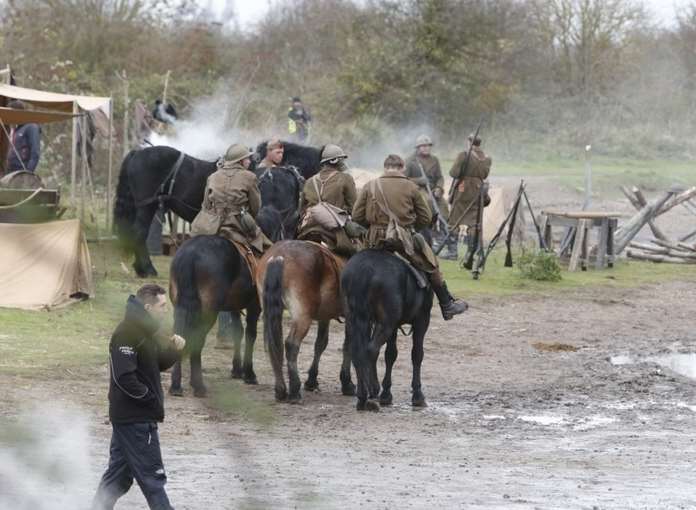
381, 294
208, 275
303, 278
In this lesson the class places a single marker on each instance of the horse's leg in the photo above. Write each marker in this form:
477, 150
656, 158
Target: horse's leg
311, 384
207, 321
253, 313
347, 386
381, 335
420, 327
298, 331
143, 219
231, 327
390, 354
175, 387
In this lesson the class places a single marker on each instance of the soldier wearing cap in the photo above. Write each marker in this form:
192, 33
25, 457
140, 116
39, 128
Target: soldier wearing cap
327, 200
465, 199
421, 163
232, 201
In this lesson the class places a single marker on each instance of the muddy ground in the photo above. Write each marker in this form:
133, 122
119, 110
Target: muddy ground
516, 417
507, 426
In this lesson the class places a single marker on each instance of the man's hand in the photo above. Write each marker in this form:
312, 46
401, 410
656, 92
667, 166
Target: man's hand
178, 342
437, 192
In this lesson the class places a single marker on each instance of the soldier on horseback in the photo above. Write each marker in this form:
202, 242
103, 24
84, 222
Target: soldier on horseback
393, 208
231, 202
327, 199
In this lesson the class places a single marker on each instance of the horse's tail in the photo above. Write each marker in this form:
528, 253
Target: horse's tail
124, 206
273, 310
358, 326
187, 307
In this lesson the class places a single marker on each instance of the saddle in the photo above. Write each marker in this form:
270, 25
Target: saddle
248, 255
421, 280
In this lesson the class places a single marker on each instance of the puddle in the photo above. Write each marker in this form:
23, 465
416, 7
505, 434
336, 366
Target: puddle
682, 364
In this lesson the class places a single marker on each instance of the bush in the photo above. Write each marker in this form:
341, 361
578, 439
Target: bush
540, 266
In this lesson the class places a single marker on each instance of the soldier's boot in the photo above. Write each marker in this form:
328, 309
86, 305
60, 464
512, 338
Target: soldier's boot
453, 249
471, 240
448, 304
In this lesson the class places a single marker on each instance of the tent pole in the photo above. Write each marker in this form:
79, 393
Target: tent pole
73, 160
83, 139
108, 178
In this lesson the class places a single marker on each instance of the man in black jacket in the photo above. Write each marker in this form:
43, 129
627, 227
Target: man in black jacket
26, 144
138, 353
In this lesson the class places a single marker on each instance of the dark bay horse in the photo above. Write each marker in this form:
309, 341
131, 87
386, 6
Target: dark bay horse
208, 275
382, 293
303, 278
149, 179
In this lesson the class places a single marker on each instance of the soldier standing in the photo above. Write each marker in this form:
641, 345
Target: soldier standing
327, 199
424, 163
394, 196
299, 120
469, 174
232, 201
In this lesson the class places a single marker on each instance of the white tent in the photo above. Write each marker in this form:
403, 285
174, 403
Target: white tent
69, 104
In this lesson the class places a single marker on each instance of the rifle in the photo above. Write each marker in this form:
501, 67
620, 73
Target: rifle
462, 174
440, 219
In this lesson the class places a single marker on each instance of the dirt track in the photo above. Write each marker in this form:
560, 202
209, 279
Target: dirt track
508, 426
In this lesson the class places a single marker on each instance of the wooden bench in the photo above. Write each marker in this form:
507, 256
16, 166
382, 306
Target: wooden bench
578, 225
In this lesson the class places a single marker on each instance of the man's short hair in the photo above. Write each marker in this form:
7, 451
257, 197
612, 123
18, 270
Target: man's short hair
274, 143
394, 161
475, 140
16, 104
149, 293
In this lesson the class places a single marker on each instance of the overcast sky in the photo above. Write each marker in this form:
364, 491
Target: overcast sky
249, 11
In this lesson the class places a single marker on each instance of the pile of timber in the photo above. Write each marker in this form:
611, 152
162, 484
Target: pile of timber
660, 249
663, 251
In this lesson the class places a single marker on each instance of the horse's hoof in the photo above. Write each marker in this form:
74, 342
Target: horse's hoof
295, 399
281, 395
360, 406
419, 402
251, 380
311, 385
200, 392
176, 392
236, 374
372, 405
386, 400
348, 391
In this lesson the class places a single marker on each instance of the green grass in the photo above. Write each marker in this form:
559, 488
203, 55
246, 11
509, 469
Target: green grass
498, 280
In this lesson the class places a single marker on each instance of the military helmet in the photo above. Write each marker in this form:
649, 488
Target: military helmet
236, 152
423, 140
332, 153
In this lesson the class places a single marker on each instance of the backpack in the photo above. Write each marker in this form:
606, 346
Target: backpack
324, 214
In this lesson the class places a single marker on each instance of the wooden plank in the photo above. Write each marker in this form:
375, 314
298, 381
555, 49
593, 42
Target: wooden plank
628, 230
601, 261
676, 200
639, 202
658, 258
584, 214
14, 196
610, 242
580, 234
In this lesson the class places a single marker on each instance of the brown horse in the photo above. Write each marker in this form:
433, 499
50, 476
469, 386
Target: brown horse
304, 278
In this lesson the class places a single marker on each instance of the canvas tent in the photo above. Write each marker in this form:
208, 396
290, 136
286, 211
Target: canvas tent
45, 265
73, 105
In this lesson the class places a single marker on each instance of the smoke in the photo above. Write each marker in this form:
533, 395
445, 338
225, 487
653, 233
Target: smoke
212, 125
44, 459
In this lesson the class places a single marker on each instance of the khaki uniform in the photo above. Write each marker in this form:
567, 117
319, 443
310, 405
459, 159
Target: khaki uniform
431, 167
467, 192
406, 203
338, 189
230, 192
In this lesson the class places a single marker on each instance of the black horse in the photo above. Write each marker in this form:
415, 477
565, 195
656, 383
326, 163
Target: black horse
382, 293
149, 179
209, 275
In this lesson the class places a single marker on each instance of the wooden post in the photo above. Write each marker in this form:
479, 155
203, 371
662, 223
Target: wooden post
126, 140
578, 245
83, 179
73, 160
628, 230
588, 178
166, 86
602, 244
110, 168
637, 199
